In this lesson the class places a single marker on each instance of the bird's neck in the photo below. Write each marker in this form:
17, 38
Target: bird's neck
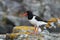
30, 17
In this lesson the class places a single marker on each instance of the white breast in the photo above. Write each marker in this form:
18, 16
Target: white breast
33, 21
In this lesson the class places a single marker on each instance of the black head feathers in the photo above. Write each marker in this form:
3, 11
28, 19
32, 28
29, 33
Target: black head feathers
30, 14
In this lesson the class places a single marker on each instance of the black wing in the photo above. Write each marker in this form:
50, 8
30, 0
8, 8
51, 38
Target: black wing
40, 19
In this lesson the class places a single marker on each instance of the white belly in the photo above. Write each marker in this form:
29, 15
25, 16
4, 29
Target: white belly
37, 23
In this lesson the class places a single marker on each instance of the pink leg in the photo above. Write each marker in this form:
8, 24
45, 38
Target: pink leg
35, 30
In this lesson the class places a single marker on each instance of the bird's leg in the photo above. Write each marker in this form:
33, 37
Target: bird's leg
35, 30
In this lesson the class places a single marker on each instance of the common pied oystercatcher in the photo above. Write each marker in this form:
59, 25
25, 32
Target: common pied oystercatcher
35, 20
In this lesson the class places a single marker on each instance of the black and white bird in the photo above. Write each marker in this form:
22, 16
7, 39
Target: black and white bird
34, 20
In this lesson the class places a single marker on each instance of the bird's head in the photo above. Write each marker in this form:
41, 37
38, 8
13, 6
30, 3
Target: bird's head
27, 13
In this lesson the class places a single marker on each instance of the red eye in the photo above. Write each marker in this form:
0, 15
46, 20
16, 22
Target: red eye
25, 14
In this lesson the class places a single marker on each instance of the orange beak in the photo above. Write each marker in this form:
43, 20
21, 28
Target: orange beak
25, 14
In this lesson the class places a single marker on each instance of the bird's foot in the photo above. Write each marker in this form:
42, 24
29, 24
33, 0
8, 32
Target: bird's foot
34, 33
